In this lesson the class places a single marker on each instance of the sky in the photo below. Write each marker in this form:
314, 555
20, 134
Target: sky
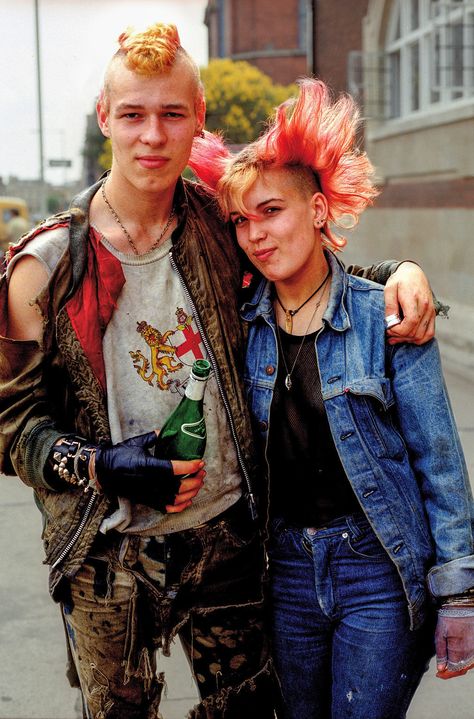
77, 37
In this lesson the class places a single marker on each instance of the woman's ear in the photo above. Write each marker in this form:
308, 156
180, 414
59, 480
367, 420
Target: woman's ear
320, 210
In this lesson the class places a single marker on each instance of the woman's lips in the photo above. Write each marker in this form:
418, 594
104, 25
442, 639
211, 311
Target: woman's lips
263, 255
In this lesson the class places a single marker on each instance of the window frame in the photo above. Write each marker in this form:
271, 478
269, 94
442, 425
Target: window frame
431, 38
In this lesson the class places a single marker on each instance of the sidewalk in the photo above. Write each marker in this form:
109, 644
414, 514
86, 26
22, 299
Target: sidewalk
32, 655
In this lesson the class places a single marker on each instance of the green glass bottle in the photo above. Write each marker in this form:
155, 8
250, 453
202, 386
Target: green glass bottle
183, 435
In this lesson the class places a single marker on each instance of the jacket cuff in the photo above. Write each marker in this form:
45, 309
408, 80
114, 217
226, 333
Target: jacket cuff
455, 577
31, 453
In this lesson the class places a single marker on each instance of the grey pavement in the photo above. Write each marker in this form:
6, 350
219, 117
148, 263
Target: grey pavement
32, 655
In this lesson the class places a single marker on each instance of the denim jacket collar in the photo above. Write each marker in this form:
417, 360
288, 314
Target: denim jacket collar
335, 315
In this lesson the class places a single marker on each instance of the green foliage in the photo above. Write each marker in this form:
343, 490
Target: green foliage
105, 157
240, 98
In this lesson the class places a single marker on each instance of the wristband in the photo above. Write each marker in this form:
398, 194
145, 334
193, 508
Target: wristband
70, 459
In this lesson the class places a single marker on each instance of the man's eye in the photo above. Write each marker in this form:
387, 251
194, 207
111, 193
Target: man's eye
131, 115
174, 114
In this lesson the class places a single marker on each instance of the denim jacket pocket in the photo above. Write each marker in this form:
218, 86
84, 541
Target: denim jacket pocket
373, 404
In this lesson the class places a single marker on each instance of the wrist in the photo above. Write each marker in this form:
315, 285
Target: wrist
69, 462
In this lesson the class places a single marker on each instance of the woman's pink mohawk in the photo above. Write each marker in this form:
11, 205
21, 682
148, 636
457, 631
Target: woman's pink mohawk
316, 132
209, 158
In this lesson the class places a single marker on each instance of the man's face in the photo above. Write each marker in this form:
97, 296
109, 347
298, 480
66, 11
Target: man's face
151, 121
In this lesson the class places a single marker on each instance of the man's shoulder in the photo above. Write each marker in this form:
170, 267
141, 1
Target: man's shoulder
203, 198
50, 229
47, 241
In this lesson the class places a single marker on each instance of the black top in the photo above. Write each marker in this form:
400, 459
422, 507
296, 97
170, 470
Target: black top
308, 485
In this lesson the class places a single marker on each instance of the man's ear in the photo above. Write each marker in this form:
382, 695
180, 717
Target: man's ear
102, 116
200, 114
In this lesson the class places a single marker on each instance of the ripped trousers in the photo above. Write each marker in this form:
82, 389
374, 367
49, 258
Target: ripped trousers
134, 594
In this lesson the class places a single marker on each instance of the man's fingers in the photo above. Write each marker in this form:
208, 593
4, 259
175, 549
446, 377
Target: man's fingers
192, 484
186, 467
187, 491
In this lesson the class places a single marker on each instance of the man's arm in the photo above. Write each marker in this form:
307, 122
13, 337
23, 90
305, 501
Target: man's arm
408, 295
24, 409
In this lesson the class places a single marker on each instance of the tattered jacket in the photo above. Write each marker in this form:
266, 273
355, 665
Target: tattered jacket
49, 389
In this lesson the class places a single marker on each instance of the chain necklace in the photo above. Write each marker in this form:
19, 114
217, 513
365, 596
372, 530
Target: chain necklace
289, 314
288, 382
124, 230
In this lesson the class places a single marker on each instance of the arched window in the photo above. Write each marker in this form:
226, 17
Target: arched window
429, 56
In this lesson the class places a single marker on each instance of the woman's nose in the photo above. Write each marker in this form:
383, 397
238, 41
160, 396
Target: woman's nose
256, 230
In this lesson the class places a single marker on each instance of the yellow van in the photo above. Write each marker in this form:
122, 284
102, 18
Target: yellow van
7, 204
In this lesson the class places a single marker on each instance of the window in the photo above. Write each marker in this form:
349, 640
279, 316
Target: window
428, 59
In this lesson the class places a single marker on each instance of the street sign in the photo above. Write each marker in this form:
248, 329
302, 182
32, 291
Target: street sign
60, 163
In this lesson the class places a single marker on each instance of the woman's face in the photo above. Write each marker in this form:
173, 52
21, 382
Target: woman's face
278, 233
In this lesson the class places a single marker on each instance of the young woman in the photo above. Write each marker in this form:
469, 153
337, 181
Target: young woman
370, 513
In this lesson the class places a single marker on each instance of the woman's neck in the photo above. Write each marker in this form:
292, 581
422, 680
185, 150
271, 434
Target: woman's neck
292, 293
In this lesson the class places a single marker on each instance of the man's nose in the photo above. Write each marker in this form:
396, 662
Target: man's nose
154, 132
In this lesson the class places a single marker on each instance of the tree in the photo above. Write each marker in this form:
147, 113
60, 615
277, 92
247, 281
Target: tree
239, 98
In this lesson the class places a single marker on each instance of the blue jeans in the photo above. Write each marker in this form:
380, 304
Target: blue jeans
342, 643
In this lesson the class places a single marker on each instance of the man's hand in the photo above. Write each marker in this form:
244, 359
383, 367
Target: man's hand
189, 486
454, 640
129, 470
408, 294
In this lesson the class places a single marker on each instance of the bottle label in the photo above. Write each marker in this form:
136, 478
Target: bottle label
195, 429
195, 387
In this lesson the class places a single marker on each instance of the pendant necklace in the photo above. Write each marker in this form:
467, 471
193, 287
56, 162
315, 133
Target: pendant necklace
289, 314
288, 382
124, 230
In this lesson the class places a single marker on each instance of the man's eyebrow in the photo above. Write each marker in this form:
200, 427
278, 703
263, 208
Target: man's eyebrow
137, 106
128, 106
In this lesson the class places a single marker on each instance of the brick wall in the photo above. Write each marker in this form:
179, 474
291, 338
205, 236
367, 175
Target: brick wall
337, 31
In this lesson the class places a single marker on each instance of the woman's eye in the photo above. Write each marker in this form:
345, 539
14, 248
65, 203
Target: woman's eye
239, 220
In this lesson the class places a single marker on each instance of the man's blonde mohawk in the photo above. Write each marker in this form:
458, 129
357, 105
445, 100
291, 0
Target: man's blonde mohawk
150, 51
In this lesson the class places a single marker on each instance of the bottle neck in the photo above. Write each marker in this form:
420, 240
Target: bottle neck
195, 387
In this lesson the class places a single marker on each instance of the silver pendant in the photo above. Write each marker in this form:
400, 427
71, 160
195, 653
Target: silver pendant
288, 382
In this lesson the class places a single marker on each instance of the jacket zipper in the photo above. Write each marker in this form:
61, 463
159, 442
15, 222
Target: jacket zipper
250, 494
77, 533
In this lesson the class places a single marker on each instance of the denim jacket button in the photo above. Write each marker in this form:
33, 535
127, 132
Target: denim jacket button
263, 425
269, 369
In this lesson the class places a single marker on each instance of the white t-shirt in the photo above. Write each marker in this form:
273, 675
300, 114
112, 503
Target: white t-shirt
149, 346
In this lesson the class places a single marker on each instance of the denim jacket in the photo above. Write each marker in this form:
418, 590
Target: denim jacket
393, 428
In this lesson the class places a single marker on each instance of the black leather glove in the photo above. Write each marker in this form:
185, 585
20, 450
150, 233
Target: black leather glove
129, 470
126, 469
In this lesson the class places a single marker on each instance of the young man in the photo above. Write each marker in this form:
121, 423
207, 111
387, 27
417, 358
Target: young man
106, 307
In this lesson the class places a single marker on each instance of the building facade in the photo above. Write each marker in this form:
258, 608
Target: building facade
271, 35
410, 65
414, 77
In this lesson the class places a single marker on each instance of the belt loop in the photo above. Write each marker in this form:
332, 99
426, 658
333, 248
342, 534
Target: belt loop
353, 526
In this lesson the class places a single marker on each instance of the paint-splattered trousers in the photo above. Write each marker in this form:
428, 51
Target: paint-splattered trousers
134, 594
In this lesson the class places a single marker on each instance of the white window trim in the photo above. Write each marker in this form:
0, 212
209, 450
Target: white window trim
432, 117
424, 37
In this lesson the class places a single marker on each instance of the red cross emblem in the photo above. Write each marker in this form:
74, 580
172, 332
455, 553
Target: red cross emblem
192, 343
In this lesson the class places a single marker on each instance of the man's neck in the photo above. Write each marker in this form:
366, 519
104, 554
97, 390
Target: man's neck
133, 220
